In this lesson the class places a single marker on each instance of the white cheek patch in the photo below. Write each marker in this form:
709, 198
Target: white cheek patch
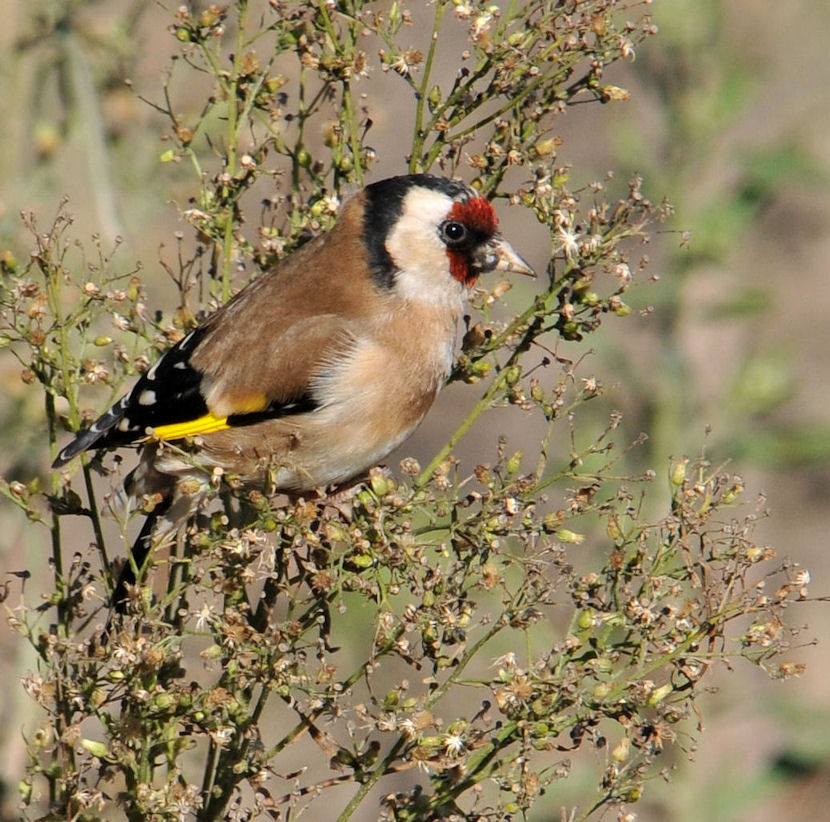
417, 251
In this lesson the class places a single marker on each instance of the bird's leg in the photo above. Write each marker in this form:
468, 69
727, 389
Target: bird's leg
138, 557
139, 552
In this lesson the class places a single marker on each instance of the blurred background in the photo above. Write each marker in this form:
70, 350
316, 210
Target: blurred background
728, 119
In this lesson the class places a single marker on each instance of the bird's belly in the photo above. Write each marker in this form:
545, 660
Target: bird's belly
333, 454
361, 419
370, 403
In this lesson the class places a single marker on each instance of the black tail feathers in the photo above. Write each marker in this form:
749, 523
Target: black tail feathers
99, 430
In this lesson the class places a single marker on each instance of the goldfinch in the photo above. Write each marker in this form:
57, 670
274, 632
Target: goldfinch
322, 366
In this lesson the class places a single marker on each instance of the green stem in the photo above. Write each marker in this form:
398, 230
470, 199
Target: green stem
462, 663
233, 115
306, 721
348, 116
476, 764
542, 462
513, 101
95, 516
386, 764
419, 134
371, 781
210, 769
541, 306
302, 114
496, 387
55, 528
354, 136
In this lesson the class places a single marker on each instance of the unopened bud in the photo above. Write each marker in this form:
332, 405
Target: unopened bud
678, 474
659, 694
515, 462
97, 749
622, 750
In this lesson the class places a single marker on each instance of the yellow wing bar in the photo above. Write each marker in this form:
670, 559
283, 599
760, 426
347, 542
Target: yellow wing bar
203, 425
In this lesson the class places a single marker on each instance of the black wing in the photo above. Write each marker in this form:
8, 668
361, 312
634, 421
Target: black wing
168, 393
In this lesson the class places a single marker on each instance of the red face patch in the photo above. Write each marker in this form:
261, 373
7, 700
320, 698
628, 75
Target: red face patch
478, 215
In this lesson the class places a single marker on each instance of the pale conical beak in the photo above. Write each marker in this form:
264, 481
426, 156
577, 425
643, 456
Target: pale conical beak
499, 255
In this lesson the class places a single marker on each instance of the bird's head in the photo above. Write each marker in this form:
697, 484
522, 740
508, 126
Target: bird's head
429, 237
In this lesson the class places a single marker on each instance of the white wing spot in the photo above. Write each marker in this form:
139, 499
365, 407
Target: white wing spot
147, 397
124, 424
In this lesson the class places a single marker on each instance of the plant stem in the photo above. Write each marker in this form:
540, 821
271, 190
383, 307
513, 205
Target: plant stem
233, 115
348, 112
419, 134
95, 516
371, 781
496, 387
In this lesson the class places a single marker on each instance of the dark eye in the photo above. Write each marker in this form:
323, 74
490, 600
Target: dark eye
453, 233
